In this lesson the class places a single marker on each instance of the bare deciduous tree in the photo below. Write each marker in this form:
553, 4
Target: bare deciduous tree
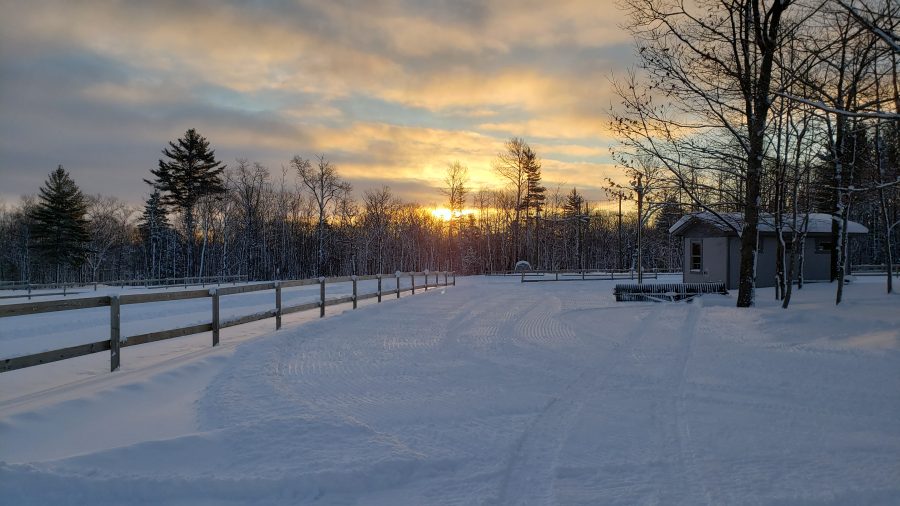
456, 190
326, 187
108, 225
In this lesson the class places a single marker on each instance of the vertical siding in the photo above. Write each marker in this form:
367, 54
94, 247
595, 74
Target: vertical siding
735, 262
715, 260
765, 262
816, 266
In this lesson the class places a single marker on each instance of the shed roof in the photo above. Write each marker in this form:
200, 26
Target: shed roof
819, 223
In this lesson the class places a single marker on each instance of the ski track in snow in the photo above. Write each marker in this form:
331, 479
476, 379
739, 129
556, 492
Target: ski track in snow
496, 392
530, 475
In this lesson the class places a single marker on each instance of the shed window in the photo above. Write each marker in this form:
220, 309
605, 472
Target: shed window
696, 255
823, 246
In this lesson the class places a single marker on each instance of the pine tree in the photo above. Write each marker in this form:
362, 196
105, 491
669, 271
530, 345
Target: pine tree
189, 173
573, 208
535, 194
60, 232
533, 203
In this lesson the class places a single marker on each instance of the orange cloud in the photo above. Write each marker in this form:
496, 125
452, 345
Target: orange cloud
452, 80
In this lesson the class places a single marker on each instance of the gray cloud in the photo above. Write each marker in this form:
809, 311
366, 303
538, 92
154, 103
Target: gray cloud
101, 87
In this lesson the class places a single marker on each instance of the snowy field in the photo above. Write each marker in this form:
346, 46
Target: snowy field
490, 392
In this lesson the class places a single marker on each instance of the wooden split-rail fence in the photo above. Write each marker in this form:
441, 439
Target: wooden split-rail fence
116, 341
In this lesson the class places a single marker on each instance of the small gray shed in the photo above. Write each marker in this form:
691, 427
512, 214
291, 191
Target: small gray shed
712, 249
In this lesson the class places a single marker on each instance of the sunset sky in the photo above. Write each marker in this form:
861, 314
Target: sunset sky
391, 90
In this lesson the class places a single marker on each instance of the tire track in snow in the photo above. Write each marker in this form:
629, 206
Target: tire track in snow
659, 361
532, 468
697, 487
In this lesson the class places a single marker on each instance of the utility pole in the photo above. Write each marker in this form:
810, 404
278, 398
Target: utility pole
619, 258
639, 189
619, 192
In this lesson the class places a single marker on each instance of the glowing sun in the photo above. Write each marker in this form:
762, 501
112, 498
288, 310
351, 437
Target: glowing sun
445, 214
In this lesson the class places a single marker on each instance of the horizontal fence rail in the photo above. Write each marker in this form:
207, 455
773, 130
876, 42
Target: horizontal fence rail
114, 302
28, 287
874, 270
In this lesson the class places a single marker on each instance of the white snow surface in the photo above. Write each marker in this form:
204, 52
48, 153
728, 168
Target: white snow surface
490, 392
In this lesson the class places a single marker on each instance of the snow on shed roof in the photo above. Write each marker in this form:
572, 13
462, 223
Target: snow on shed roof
819, 223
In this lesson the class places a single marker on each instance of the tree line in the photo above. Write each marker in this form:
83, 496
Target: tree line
203, 218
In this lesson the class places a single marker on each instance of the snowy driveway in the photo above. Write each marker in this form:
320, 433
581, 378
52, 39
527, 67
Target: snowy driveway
495, 392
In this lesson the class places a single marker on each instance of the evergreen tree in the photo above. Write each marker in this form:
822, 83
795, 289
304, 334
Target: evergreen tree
60, 232
574, 205
535, 194
189, 173
533, 204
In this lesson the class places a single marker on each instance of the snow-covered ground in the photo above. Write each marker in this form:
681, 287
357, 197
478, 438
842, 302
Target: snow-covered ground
490, 392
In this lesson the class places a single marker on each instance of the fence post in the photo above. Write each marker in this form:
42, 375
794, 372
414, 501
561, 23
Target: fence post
114, 333
454, 278
557, 275
379, 288
277, 305
354, 291
426, 281
412, 282
215, 316
29, 291
321, 297
397, 276
445, 278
